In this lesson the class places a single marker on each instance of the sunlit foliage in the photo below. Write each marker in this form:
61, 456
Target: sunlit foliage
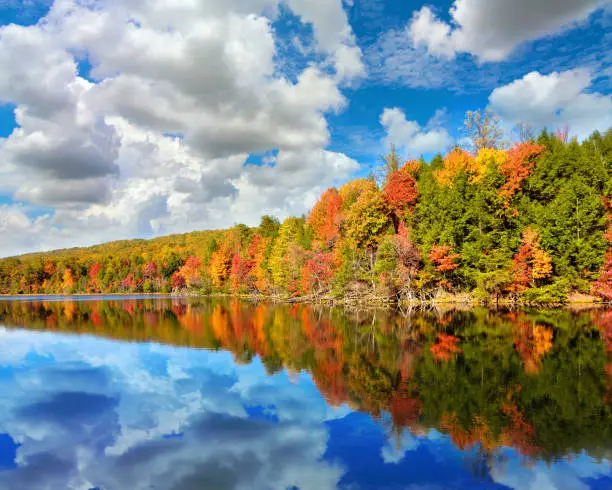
325, 217
528, 224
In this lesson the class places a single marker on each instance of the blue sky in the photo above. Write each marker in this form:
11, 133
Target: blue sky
147, 117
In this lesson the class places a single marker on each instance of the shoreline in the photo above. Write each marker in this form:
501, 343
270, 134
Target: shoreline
463, 300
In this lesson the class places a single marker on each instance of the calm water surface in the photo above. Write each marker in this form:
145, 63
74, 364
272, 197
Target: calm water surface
178, 394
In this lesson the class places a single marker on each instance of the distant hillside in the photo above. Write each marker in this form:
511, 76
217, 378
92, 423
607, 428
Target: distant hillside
530, 223
151, 245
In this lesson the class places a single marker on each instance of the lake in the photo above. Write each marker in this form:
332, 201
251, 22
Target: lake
165, 393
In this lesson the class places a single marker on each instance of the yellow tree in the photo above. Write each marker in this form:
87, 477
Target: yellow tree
541, 264
368, 219
488, 157
350, 192
287, 256
220, 266
259, 272
67, 280
456, 161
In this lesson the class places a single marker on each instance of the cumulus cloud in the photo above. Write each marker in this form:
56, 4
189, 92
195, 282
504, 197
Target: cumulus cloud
410, 135
491, 29
394, 59
23, 233
332, 33
554, 100
58, 140
155, 138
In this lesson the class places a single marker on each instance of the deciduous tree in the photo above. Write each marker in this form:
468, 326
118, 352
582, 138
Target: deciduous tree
603, 285
368, 219
530, 263
325, 217
192, 271
483, 129
401, 194
220, 267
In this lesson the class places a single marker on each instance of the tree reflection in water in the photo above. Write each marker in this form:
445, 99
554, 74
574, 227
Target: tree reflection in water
538, 381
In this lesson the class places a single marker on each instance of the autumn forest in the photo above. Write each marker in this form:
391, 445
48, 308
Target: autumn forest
528, 221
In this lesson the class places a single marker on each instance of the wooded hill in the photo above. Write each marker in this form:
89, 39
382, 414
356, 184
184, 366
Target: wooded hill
530, 222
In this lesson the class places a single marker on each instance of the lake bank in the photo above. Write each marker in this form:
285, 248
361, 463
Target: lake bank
462, 300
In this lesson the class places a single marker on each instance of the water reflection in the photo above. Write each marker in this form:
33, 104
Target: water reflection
298, 396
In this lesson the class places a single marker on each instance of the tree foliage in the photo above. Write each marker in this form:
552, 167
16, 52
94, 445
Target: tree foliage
367, 219
530, 223
401, 194
325, 217
531, 263
603, 285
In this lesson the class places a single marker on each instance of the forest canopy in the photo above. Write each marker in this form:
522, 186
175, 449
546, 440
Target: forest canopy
529, 221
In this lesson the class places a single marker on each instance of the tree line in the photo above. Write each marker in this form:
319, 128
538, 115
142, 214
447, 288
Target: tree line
524, 222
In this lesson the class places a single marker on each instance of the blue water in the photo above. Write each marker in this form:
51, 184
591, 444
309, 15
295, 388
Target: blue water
83, 412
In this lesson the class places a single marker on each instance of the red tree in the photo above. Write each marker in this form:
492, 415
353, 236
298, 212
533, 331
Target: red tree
240, 271
93, 273
149, 270
130, 282
317, 271
443, 259
516, 169
603, 286
325, 217
531, 262
400, 192
192, 271
408, 254
177, 281
49, 269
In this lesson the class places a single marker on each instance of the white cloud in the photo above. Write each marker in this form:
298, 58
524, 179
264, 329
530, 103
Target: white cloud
436, 35
554, 100
491, 29
100, 152
294, 182
58, 141
171, 189
332, 33
22, 233
410, 135
349, 65
394, 59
